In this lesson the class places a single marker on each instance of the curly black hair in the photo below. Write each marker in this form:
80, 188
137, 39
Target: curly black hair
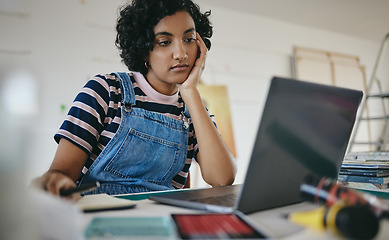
135, 36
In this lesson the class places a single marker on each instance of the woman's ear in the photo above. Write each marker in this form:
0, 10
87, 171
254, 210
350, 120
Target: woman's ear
147, 63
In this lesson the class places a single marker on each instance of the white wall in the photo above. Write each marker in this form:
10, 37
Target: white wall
63, 43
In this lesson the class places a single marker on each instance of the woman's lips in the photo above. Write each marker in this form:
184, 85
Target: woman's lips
179, 67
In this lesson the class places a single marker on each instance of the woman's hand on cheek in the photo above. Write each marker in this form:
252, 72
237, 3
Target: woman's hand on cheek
198, 68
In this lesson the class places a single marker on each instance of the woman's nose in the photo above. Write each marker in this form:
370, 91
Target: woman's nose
180, 52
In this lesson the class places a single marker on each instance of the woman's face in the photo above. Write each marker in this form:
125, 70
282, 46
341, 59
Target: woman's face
174, 53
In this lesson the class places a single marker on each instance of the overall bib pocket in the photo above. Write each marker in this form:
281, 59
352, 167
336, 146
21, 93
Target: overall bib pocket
153, 162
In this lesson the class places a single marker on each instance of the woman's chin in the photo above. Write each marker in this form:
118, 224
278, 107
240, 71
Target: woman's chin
180, 79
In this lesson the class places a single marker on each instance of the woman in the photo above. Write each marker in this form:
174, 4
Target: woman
139, 131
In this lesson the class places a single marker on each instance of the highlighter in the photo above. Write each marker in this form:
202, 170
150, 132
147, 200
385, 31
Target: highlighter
352, 222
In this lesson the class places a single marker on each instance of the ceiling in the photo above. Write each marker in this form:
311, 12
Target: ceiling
364, 19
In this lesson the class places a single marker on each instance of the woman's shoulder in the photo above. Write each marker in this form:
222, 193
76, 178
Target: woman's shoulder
108, 82
111, 79
103, 86
107, 79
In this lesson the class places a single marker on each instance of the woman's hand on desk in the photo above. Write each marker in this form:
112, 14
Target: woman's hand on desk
53, 181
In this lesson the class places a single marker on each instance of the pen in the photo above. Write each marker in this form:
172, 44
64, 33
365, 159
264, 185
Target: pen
79, 189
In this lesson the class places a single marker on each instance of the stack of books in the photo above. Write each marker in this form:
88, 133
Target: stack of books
365, 170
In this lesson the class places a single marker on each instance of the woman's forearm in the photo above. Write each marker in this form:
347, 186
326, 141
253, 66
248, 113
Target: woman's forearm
216, 162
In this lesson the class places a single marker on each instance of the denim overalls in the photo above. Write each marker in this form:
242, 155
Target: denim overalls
146, 152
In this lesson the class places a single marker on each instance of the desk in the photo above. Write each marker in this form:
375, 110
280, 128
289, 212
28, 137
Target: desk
271, 222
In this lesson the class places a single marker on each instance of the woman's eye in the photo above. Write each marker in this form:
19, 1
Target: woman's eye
190, 40
164, 43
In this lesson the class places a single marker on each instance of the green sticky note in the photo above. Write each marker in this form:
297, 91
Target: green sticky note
131, 227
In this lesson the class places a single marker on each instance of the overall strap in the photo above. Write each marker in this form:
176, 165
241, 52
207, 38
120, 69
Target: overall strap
186, 112
127, 91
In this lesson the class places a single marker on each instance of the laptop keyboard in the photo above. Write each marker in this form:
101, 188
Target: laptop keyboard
227, 200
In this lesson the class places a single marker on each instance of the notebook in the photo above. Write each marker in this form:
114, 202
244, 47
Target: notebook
103, 202
304, 129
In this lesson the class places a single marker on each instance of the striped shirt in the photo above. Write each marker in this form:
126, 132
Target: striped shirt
95, 115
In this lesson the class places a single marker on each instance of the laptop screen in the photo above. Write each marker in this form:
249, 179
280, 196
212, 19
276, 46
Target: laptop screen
305, 128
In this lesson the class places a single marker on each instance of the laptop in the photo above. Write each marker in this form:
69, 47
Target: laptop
304, 130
